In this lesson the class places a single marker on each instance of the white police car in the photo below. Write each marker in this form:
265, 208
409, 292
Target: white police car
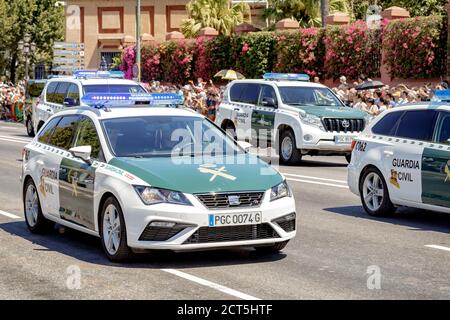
60, 93
151, 177
403, 159
290, 113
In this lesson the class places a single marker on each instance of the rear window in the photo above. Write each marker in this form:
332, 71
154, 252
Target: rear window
388, 124
245, 93
34, 89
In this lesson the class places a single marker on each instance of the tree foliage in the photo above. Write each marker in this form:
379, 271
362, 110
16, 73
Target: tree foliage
218, 14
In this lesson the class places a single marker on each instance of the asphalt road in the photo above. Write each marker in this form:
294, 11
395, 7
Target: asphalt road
337, 253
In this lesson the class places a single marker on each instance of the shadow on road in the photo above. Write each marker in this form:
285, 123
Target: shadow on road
415, 219
88, 249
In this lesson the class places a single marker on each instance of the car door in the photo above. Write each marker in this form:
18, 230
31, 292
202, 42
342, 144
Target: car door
46, 166
263, 116
243, 97
77, 177
436, 166
404, 161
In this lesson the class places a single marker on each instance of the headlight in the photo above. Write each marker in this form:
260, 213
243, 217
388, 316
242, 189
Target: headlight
151, 195
312, 120
280, 191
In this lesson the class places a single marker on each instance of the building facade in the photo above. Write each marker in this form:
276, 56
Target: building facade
105, 26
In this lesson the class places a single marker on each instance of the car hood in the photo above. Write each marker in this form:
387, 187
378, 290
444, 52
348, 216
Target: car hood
198, 174
333, 112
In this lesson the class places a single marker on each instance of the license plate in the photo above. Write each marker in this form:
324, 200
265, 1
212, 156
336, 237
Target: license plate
344, 139
234, 219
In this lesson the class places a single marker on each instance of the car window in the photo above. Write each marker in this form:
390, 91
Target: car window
250, 93
388, 124
309, 96
417, 125
47, 131
50, 94
444, 129
74, 93
60, 92
34, 89
64, 132
235, 92
267, 92
86, 135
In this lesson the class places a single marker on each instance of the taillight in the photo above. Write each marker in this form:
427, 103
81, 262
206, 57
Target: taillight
353, 144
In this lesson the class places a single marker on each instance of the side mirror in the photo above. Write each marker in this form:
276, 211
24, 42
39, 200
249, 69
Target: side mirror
70, 102
269, 102
244, 145
82, 152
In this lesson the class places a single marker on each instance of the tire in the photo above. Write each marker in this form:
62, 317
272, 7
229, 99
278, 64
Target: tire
294, 156
35, 220
231, 130
273, 248
29, 126
114, 246
379, 204
348, 157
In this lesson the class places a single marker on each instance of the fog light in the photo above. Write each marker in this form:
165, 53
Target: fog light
162, 224
307, 137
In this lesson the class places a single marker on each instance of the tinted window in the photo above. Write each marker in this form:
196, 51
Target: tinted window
74, 93
444, 129
87, 136
417, 125
235, 92
250, 93
34, 89
50, 94
113, 88
46, 132
304, 96
64, 132
60, 93
268, 92
387, 125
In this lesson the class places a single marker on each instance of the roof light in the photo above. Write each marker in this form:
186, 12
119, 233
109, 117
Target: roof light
286, 76
121, 99
441, 95
91, 74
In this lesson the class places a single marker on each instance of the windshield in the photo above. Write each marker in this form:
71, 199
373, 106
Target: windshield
307, 96
165, 136
113, 88
34, 89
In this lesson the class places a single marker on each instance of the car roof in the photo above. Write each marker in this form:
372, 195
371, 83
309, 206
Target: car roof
130, 111
434, 105
282, 83
94, 81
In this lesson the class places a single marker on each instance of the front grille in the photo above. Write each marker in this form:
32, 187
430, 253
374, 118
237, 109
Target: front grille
232, 233
222, 200
153, 233
343, 125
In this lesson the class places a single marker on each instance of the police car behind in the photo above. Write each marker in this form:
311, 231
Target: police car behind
292, 114
403, 159
63, 92
144, 177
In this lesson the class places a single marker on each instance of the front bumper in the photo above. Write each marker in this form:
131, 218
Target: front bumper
195, 219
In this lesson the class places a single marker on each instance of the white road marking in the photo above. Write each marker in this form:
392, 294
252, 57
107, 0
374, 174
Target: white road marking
433, 246
9, 215
319, 183
313, 178
15, 140
210, 284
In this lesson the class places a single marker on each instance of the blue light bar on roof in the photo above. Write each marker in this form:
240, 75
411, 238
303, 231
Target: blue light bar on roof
120, 99
98, 74
441, 95
286, 76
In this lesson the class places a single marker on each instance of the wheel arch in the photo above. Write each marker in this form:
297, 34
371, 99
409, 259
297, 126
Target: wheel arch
107, 194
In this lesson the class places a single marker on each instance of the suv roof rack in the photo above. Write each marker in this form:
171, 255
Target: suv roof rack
286, 76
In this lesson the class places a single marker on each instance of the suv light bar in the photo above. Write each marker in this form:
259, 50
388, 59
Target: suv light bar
441, 95
96, 74
124, 99
286, 76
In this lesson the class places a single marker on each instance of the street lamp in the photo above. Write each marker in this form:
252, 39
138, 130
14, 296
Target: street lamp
28, 48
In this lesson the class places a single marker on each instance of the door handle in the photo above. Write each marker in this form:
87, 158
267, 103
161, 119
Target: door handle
237, 109
428, 159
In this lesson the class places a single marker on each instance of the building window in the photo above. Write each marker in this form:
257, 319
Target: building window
110, 20
107, 58
148, 20
174, 17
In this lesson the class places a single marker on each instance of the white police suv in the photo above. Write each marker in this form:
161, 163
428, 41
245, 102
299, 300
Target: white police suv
403, 159
146, 176
292, 114
63, 92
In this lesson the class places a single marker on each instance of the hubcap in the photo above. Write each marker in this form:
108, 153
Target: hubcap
286, 148
373, 192
31, 205
111, 229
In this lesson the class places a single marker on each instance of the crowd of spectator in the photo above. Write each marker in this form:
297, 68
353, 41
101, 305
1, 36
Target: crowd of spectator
11, 95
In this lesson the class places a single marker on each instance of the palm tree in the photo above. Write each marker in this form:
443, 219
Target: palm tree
218, 14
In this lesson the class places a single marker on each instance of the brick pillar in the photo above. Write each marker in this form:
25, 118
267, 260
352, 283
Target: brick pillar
337, 19
147, 39
174, 35
244, 28
287, 25
208, 33
391, 13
